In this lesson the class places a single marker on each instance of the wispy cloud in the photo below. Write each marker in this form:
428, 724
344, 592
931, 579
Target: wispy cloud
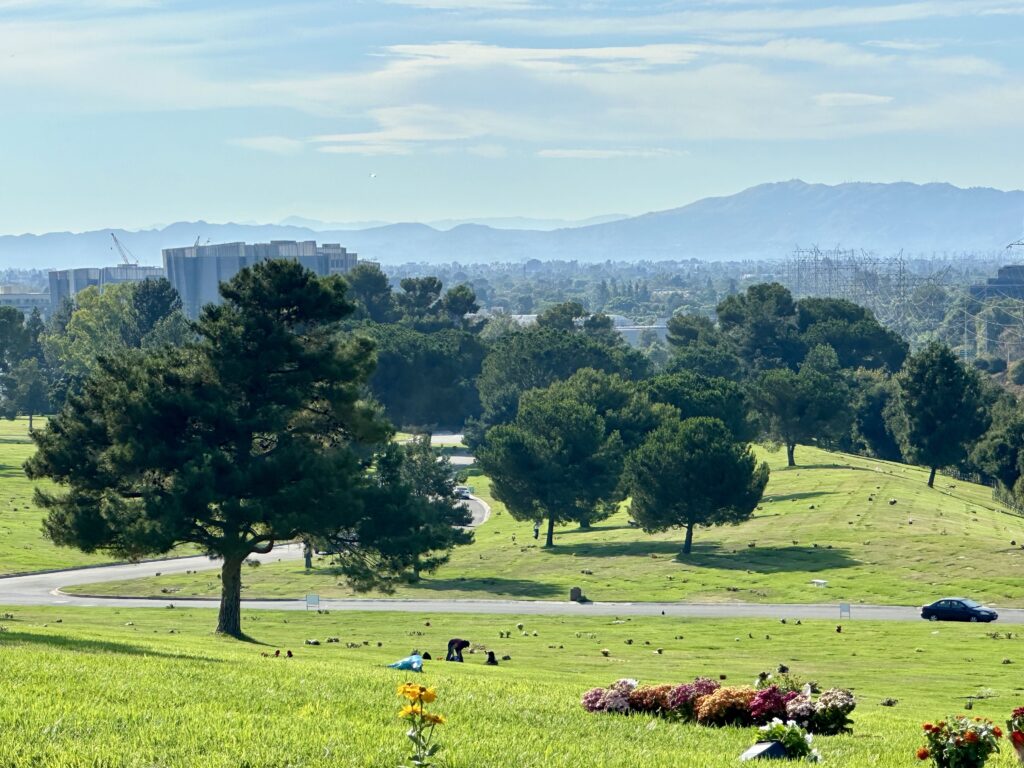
611, 154
851, 99
277, 145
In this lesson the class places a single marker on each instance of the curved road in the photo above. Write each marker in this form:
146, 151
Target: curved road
44, 589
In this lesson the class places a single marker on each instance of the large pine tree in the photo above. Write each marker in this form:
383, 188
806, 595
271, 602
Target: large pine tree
255, 434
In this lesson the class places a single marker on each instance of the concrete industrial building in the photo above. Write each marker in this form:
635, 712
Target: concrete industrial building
196, 272
25, 302
1009, 284
65, 283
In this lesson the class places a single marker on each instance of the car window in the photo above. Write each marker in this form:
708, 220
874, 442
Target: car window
971, 604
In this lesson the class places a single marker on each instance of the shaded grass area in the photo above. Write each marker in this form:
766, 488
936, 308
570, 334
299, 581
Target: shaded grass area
828, 519
143, 687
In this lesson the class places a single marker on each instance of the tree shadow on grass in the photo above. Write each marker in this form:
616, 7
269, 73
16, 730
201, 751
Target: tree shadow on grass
642, 548
595, 529
496, 586
767, 559
795, 496
82, 645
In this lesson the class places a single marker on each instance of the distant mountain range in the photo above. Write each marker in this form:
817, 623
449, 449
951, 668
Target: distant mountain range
766, 221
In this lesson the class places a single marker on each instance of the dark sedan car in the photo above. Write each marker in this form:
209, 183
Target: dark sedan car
957, 609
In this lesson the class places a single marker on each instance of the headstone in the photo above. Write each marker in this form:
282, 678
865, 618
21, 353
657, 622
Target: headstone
765, 750
575, 594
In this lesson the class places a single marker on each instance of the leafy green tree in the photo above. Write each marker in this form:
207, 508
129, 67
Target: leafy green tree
417, 521
999, 453
35, 329
459, 302
687, 330
420, 296
690, 473
562, 317
939, 410
426, 380
873, 392
762, 325
811, 404
371, 292
13, 339
695, 395
152, 301
555, 462
28, 393
859, 340
537, 357
255, 434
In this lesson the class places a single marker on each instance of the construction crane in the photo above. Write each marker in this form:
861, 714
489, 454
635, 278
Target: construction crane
126, 255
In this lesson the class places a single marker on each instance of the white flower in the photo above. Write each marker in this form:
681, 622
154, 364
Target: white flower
814, 757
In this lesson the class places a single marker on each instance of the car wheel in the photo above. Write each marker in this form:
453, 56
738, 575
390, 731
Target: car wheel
933, 617
974, 619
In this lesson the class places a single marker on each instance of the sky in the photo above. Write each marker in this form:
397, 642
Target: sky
131, 113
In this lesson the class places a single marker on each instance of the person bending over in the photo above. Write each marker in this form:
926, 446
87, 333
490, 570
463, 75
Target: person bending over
455, 648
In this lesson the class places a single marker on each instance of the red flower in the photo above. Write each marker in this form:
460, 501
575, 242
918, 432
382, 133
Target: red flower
1017, 738
971, 737
997, 732
923, 753
928, 727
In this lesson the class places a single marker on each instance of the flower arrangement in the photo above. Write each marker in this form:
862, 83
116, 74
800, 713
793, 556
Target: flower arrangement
960, 742
767, 705
653, 699
832, 710
707, 703
794, 739
1016, 727
682, 700
421, 723
726, 706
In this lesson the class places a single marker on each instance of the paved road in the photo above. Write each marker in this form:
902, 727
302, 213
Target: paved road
44, 589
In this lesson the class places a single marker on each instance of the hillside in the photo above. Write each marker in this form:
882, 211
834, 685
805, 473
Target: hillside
816, 522
144, 687
766, 221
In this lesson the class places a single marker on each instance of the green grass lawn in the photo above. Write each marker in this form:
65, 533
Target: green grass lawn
816, 522
22, 546
112, 688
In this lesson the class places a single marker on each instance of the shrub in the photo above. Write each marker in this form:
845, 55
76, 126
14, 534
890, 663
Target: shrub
653, 699
996, 365
726, 706
768, 704
682, 699
1017, 372
615, 700
793, 739
831, 710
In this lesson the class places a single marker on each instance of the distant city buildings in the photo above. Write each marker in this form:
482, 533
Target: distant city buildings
196, 272
1008, 283
66, 283
25, 302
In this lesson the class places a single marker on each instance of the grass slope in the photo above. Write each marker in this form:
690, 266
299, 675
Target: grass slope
116, 688
816, 522
22, 546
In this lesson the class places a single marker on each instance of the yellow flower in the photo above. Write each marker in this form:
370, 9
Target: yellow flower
435, 719
428, 695
411, 691
409, 710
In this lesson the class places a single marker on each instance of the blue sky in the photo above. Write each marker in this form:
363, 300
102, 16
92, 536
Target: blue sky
135, 112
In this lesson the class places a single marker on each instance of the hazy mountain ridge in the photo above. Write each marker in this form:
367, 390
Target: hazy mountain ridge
766, 221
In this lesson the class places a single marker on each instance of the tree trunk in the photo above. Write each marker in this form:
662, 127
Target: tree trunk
931, 478
229, 621
790, 450
30, 423
549, 541
584, 525
688, 544
307, 554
